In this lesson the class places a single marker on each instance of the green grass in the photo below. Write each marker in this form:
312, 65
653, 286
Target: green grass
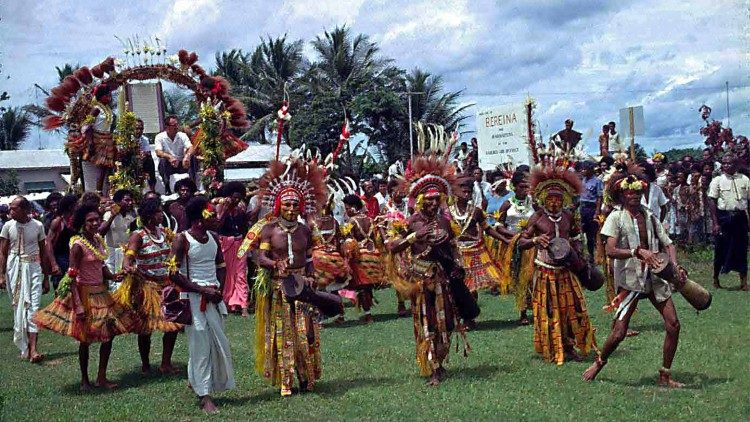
369, 372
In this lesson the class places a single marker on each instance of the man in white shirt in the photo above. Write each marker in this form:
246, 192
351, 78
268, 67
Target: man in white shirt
728, 196
175, 153
482, 189
21, 260
654, 198
145, 156
115, 228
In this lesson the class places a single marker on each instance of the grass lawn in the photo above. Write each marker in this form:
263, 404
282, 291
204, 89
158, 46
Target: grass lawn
370, 374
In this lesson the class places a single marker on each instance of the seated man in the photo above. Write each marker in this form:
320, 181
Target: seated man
145, 156
175, 152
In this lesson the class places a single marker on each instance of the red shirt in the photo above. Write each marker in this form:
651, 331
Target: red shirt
372, 205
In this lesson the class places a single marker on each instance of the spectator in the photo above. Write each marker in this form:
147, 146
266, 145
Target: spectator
175, 153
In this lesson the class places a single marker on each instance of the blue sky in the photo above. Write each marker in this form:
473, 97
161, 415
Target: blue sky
579, 59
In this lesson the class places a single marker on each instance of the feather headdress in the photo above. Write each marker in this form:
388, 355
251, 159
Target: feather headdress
295, 178
558, 179
430, 173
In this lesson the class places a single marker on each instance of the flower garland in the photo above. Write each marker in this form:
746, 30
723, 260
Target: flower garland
627, 184
128, 168
211, 148
100, 253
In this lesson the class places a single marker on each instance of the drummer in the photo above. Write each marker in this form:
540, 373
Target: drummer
634, 237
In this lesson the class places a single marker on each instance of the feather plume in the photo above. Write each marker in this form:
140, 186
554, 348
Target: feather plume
183, 57
56, 103
83, 74
97, 71
70, 85
52, 122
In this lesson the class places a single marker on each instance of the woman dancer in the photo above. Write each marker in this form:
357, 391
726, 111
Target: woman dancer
84, 308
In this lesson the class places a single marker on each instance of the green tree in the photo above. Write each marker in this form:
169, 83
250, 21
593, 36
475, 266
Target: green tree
16, 126
8, 183
676, 154
180, 103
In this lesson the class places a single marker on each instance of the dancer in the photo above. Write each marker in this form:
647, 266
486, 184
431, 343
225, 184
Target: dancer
146, 265
561, 320
364, 259
518, 264
469, 226
185, 189
101, 150
84, 308
634, 237
22, 257
392, 218
331, 270
287, 341
197, 254
434, 259
233, 224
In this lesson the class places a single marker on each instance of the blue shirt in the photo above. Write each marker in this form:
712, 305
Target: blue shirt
593, 189
494, 203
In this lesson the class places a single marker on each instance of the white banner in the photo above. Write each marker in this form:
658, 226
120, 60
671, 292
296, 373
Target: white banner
144, 100
502, 134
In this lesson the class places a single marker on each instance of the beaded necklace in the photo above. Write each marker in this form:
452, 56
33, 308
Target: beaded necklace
289, 228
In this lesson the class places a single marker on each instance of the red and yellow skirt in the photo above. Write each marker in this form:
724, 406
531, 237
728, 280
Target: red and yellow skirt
481, 270
561, 320
103, 152
368, 269
329, 265
103, 318
143, 296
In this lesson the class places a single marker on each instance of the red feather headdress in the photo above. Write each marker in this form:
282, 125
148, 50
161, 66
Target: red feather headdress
298, 179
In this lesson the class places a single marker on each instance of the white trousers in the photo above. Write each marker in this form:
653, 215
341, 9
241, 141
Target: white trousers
25, 288
210, 368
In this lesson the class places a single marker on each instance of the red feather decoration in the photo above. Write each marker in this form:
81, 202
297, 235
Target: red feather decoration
97, 71
83, 74
70, 86
192, 58
56, 103
52, 122
108, 65
183, 55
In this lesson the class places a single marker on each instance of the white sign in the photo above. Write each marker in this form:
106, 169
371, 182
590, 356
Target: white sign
144, 99
638, 124
502, 136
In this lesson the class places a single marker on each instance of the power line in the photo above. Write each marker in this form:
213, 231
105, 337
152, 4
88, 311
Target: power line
614, 91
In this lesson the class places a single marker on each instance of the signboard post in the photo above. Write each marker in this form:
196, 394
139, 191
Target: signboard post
502, 136
145, 100
631, 118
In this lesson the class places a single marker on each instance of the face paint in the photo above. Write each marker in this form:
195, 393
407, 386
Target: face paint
553, 203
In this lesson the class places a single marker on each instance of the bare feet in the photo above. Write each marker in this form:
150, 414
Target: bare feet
36, 358
441, 373
434, 380
367, 319
717, 285
339, 320
665, 380
286, 392
145, 369
402, 311
632, 333
244, 313
524, 320
169, 369
106, 384
593, 370
208, 406
85, 387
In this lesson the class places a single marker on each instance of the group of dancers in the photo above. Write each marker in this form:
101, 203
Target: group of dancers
432, 242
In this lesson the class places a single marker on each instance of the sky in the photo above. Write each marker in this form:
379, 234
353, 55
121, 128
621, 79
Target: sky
578, 59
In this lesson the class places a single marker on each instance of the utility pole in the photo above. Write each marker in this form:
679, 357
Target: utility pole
411, 129
727, 85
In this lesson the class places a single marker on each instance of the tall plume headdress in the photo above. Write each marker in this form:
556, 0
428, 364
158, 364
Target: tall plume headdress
297, 178
429, 173
557, 179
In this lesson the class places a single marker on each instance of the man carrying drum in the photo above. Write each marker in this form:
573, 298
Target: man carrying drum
633, 239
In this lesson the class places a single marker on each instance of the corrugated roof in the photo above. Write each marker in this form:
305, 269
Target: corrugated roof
256, 152
33, 159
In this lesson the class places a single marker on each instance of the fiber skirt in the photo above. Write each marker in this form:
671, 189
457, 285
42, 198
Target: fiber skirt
103, 317
144, 298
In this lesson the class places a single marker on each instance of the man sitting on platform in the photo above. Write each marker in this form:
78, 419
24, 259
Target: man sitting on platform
175, 152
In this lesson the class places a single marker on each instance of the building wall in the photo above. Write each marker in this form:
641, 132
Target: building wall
42, 175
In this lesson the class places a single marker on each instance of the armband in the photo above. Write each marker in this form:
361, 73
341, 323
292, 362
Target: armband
265, 246
411, 238
129, 252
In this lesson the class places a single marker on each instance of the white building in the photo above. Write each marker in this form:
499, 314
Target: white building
37, 170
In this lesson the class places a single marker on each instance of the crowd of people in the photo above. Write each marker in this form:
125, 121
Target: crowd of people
299, 243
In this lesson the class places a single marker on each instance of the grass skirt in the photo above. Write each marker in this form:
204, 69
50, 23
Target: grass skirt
104, 318
368, 269
481, 270
561, 319
287, 338
330, 266
144, 297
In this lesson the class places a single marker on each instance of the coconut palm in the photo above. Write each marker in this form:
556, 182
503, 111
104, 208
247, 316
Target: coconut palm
66, 70
16, 126
434, 105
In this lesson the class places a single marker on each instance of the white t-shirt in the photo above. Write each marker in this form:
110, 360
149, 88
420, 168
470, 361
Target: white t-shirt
656, 200
118, 230
177, 147
33, 233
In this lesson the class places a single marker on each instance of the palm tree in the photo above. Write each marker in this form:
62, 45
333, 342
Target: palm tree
16, 126
180, 103
259, 79
434, 105
66, 70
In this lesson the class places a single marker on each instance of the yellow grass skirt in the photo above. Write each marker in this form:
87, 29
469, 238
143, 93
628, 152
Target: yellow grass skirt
561, 319
104, 318
144, 297
481, 270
